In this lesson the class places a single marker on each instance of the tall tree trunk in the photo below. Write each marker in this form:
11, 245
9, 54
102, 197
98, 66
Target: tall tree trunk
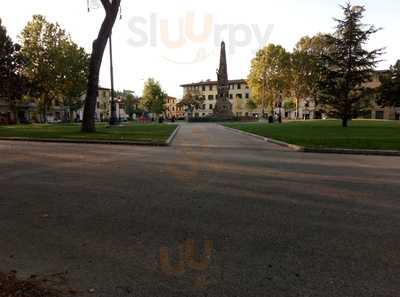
345, 121
15, 113
44, 111
111, 8
71, 116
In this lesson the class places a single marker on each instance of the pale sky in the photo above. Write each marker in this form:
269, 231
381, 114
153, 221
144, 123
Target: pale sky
250, 25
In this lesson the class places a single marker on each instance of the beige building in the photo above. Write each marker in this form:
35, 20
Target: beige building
173, 109
378, 112
28, 112
239, 94
102, 105
170, 107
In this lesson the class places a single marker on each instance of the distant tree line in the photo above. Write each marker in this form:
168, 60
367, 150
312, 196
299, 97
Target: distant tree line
331, 69
46, 67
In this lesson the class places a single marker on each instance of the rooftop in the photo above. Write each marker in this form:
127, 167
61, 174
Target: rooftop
212, 82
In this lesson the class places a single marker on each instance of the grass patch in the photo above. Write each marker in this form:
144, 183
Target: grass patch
142, 133
361, 134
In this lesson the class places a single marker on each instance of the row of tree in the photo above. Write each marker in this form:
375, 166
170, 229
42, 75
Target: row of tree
152, 101
331, 69
46, 68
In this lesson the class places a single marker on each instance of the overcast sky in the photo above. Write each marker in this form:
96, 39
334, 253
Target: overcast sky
155, 38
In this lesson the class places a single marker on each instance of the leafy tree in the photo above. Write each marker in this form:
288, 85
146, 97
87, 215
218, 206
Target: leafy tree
12, 82
131, 105
289, 105
75, 62
250, 105
111, 8
390, 87
269, 76
305, 69
348, 65
153, 99
55, 66
237, 105
191, 101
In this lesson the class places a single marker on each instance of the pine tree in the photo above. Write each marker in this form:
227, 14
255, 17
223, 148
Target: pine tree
348, 65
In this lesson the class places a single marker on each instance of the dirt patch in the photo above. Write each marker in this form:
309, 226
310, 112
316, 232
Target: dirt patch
11, 286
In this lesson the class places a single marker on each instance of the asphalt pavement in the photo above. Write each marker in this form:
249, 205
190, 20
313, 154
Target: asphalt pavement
216, 214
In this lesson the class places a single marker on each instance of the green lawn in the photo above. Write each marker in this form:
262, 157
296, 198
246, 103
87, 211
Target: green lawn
143, 133
361, 134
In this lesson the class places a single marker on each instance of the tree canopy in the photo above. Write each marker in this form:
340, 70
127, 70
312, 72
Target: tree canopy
390, 87
305, 67
269, 76
192, 100
12, 81
55, 66
153, 99
131, 104
348, 66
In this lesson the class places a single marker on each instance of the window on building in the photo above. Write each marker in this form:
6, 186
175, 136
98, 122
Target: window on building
211, 106
210, 87
210, 97
204, 106
203, 88
239, 86
230, 96
247, 95
240, 96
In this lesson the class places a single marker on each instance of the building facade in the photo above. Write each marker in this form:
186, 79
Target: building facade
103, 106
171, 107
378, 112
239, 95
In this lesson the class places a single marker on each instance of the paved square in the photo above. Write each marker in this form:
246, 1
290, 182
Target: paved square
236, 217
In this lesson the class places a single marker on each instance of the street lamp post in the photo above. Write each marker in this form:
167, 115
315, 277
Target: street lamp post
113, 116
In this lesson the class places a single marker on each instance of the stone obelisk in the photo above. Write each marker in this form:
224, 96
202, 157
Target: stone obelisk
223, 107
